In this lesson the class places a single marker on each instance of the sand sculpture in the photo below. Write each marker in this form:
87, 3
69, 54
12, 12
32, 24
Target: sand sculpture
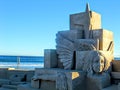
82, 58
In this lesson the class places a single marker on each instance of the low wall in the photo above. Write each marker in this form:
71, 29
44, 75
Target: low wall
116, 65
6, 73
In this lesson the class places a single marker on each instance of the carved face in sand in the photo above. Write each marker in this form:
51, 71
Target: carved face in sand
98, 64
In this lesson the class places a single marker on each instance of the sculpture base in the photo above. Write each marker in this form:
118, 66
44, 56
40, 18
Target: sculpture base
52, 79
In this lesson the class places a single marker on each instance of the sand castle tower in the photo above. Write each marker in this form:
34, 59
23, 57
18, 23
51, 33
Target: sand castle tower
82, 58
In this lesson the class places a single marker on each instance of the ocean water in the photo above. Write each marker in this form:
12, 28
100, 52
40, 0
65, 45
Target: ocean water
24, 62
21, 62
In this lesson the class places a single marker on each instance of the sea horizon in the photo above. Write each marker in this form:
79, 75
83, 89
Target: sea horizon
25, 62
21, 62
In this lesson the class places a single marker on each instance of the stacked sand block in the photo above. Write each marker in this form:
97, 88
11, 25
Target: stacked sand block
50, 61
115, 74
82, 58
26, 87
20, 75
86, 61
10, 73
116, 66
112, 87
53, 79
105, 38
11, 78
72, 79
85, 20
3, 73
4, 76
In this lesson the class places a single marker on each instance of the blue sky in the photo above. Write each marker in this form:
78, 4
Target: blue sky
27, 27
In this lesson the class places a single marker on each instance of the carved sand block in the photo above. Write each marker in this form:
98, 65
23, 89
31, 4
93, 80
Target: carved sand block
112, 87
4, 81
119, 86
116, 65
86, 21
93, 61
35, 84
98, 82
59, 79
97, 64
86, 44
115, 77
86, 48
64, 42
115, 74
78, 21
72, 35
50, 58
25, 87
18, 77
43, 75
82, 21
65, 48
105, 39
65, 39
3, 73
